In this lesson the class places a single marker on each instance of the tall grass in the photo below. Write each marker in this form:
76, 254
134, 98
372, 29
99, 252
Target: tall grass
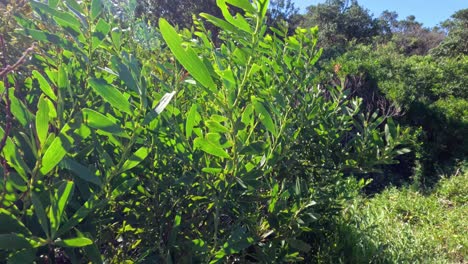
404, 226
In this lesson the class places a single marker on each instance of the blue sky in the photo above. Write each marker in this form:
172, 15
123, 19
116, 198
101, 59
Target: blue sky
428, 12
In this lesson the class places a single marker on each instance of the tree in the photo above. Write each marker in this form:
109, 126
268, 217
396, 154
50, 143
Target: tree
455, 43
340, 22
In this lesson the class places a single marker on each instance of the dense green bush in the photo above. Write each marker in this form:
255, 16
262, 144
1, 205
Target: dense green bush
419, 91
189, 152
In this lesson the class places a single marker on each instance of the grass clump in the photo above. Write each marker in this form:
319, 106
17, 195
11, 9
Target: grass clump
405, 226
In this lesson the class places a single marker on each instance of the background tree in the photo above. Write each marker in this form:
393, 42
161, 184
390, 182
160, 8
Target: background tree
456, 41
341, 22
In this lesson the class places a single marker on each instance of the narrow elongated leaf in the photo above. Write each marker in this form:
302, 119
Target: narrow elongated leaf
219, 23
44, 85
14, 159
79, 170
11, 224
74, 242
193, 119
125, 74
265, 117
13, 242
124, 187
99, 121
237, 21
187, 57
62, 80
19, 110
59, 202
110, 94
244, 4
100, 33
92, 204
42, 120
136, 158
210, 147
57, 150
66, 17
96, 8
165, 100
40, 213
26, 255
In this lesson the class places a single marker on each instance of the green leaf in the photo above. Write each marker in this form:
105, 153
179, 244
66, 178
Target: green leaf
214, 126
59, 202
187, 57
40, 213
65, 17
19, 110
110, 94
11, 224
27, 255
74, 242
193, 119
100, 33
53, 3
244, 4
135, 159
219, 23
125, 74
210, 147
62, 80
300, 245
89, 206
13, 157
96, 9
265, 117
57, 150
42, 120
79, 170
13, 242
124, 187
44, 85
99, 121
238, 21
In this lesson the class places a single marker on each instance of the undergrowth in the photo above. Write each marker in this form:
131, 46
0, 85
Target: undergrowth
404, 226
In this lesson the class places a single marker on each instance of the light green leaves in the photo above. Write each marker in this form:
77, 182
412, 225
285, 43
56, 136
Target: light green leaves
211, 145
187, 57
99, 121
74, 242
96, 8
110, 94
135, 159
42, 120
57, 150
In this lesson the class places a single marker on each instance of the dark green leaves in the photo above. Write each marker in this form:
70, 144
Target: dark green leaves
44, 85
59, 202
110, 94
187, 57
100, 33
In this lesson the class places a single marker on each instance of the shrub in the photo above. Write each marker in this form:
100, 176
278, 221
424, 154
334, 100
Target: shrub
204, 154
